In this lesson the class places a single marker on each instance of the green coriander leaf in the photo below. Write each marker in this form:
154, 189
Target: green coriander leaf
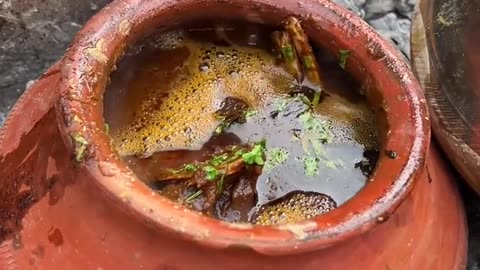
318, 148
80, 146
310, 165
259, 160
250, 113
304, 99
317, 128
78, 139
240, 152
210, 172
216, 161
221, 127
287, 53
307, 120
331, 164
237, 154
187, 167
255, 156
344, 54
190, 168
307, 62
281, 105
275, 156
263, 143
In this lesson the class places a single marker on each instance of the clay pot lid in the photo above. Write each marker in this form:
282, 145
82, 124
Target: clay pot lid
104, 38
445, 56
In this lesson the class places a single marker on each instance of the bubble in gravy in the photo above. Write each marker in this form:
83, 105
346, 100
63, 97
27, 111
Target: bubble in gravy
207, 76
294, 207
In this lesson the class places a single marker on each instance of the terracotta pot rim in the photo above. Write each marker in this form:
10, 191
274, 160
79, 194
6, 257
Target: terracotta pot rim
101, 43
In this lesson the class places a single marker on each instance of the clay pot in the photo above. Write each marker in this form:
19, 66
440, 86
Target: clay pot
67, 202
446, 59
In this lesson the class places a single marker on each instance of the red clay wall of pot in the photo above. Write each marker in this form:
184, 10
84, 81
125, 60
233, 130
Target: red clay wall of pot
56, 214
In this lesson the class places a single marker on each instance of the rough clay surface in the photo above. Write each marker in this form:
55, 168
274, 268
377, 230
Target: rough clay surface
35, 33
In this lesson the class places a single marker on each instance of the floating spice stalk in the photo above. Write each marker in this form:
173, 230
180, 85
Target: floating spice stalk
297, 54
304, 50
286, 52
214, 170
231, 157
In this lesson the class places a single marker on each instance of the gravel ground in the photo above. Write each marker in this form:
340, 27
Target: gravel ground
35, 33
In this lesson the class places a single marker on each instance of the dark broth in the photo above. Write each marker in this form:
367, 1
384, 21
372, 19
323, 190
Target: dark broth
163, 98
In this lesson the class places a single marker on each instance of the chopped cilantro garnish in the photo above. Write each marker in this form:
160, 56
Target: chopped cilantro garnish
222, 127
80, 146
318, 148
240, 152
249, 113
210, 172
344, 54
315, 133
190, 168
310, 165
287, 53
305, 100
237, 154
194, 196
218, 160
275, 157
307, 120
255, 156
281, 105
187, 168
331, 164
308, 62
315, 126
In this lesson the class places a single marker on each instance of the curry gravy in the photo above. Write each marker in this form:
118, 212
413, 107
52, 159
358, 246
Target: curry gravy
162, 109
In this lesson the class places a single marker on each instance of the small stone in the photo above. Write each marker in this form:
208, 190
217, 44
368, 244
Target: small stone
353, 6
375, 8
405, 7
359, 3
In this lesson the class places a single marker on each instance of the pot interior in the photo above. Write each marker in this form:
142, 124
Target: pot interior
182, 98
